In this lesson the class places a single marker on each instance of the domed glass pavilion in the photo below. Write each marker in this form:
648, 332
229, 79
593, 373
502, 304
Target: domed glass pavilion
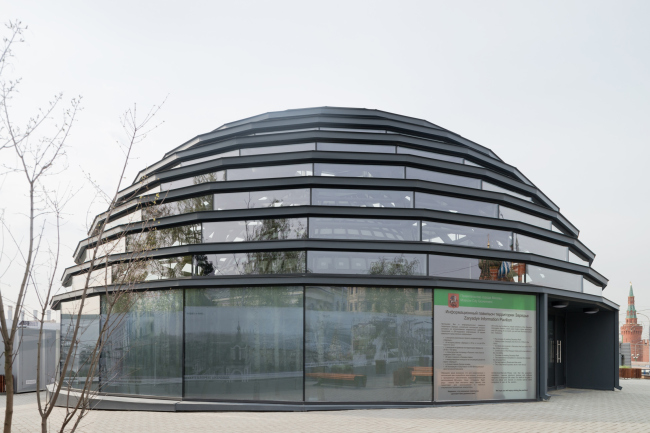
337, 257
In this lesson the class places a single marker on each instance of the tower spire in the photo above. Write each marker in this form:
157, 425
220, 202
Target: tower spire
630, 317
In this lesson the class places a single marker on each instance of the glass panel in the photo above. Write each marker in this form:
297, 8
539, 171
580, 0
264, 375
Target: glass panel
476, 269
347, 262
218, 176
367, 131
368, 344
105, 248
577, 260
354, 170
555, 229
376, 229
449, 179
490, 187
473, 164
286, 131
552, 278
590, 288
416, 136
466, 236
361, 198
143, 348
261, 199
270, 172
506, 213
129, 219
151, 270
525, 244
81, 360
255, 230
302, 147
455, 205
453, 267
208, 158
346, 147
262, 262
431, 155
98, 277
244, 343
194, 204
150, 190
163, 238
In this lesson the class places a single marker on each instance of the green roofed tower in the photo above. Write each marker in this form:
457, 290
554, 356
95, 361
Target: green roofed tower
631, 331
631, 309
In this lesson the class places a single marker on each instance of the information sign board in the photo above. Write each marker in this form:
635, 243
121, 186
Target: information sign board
484, 345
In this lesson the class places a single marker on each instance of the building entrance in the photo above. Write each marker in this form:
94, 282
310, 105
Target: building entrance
556, 352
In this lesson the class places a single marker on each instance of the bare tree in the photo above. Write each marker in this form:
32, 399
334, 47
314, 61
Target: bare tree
38, 149
117, 284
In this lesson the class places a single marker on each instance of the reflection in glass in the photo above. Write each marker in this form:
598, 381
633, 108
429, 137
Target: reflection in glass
454, 267
430, 155
526, 244
347, 147
352, 262
218, 176
208, 158
255, 263
491, 187
143, 344
163, 238
301, 147
506, 213
128, 219
255, 230
552, 278
106, 247
270, 172
465, 236
368, 344
244, 343
81, 361
179, 207
449, 179
261, 199
476, 269
455, 205
151, 270
98, 277
369, 229
356, 170
362, 198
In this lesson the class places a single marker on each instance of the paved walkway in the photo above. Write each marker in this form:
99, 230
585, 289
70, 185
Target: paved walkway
569, 410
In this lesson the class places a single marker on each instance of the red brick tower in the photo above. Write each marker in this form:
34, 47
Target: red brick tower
632, 331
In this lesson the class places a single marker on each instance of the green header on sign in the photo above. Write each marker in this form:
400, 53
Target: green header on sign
480, 299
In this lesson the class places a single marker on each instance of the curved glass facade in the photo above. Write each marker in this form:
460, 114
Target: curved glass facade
301, 266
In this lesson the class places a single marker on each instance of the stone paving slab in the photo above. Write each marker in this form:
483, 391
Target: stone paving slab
568, 410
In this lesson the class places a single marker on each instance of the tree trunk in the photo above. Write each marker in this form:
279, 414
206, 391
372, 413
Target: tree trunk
9, 383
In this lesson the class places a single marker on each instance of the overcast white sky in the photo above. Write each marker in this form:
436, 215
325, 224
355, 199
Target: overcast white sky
559, 89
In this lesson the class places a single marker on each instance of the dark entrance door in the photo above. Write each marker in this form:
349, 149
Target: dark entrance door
556, 351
